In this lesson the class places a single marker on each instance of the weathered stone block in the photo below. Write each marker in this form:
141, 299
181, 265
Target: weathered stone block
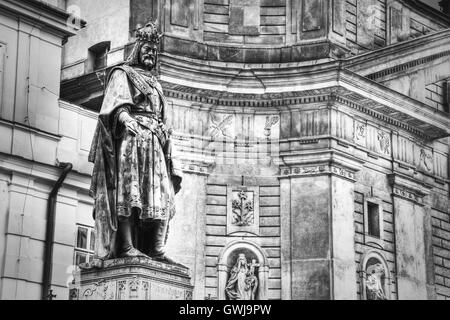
180, 12
310, 280
312, 15
245, 17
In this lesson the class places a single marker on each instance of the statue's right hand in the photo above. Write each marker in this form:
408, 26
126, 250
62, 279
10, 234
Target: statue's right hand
132, 127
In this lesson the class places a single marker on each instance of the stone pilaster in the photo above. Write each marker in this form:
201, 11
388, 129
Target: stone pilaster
412, 227
187, 236
318, 256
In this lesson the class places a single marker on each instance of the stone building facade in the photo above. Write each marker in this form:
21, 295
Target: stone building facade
313, 137
31, 126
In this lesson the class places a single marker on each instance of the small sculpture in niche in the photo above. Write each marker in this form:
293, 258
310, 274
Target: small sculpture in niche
243, 283
243, 208
252, 280
375, 278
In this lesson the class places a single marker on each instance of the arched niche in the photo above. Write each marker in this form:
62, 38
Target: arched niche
228, 258
375, 277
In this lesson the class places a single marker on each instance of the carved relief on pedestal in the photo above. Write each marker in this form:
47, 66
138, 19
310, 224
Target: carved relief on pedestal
134, 286
102, 290
146, 288
243, 210
384, 142
375, 277
121, 295
132, 278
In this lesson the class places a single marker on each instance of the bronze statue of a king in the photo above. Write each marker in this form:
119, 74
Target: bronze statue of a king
134, 180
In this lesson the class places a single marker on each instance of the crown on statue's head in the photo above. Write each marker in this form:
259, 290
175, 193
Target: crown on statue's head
149, 33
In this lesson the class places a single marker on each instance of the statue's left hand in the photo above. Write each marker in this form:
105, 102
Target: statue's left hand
163, 127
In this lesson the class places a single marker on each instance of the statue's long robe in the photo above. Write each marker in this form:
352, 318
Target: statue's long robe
131, 173
236, 285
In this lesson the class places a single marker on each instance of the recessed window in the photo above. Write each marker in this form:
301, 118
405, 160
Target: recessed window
84, 245
97, 56
373, 219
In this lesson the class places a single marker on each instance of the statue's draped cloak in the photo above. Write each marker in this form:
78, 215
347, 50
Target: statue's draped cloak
236, 287
123, 90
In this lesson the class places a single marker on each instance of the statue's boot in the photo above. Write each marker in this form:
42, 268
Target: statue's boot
127, 249
158, 241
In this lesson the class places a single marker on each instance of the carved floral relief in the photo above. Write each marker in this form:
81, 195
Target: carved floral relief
243, 208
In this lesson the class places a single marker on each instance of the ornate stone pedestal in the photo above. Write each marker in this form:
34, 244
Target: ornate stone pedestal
132, 279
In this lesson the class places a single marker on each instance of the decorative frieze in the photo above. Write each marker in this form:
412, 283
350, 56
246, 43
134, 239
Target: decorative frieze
408, 194
195, 167
408, 189
319, 170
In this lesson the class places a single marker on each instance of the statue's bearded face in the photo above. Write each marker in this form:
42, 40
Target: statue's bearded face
147, 55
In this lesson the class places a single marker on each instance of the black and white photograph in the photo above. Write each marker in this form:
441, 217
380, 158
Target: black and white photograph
237, 151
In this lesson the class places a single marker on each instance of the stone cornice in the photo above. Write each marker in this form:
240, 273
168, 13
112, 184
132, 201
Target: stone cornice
37, 170
32, 130
422, 8
416, 51
317, 170
77, 109
42, 13
434, 123
402, 68
195, 167
408, 188
319, 162
226, 85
